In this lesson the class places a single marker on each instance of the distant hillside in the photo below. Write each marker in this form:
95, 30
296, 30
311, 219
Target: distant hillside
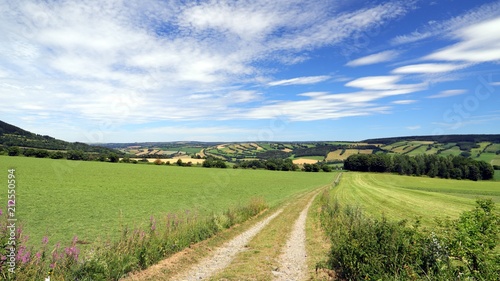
11, 135
439, 139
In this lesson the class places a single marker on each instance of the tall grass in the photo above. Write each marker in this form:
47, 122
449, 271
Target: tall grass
135, 250
364, 248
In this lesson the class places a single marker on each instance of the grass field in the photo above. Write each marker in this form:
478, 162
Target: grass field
421, 149
493, 148
455, 150
482, 146
404, 197
61, 198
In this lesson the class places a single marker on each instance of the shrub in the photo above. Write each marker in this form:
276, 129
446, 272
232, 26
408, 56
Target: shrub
379, 249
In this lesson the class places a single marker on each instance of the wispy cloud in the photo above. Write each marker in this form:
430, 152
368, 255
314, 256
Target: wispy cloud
375, 58
322, 105
478, 43
447, 27
416, 127
427, 68
404, 101
144, 61
472, 120
300, 81
385, 83
448, 93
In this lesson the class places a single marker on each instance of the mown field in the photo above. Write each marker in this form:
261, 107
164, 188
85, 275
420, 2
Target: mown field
404, 197
62, 199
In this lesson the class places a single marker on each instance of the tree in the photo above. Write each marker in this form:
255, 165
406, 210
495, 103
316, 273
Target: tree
113, 158
474, 173
326, 168
41, 153
29, 152
57, 155
13, 151
486, 170
179, 162
75, 155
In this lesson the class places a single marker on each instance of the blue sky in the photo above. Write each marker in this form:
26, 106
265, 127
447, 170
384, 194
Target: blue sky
133, 71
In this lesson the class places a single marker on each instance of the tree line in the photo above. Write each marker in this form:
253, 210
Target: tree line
273, 164
70, 155
454, 167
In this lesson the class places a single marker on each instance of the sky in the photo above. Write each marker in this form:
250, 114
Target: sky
142, 71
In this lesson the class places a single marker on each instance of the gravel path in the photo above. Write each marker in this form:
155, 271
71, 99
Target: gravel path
293, 260
225, 254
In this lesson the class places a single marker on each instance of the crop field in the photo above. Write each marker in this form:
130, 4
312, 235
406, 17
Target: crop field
62, 199
482, 146
404, 197
336, 155
307, 160
421, 149
493, 148
455, 150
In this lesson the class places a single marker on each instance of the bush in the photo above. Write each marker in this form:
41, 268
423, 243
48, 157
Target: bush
13, 151
379, 249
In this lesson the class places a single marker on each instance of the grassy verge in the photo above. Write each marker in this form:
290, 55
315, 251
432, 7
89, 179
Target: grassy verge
317, 243
135, 250
367, 248
195, 253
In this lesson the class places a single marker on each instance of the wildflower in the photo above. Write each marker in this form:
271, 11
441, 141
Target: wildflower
1, 212
45, 240
153, 223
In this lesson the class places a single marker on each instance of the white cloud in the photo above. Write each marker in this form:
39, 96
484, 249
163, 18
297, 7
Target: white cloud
416, 127
325, 105
495, 84
478, 43
404, 101
300, 81
427, 68
384, 83
447, 27
375, 58
448, 93
143, 61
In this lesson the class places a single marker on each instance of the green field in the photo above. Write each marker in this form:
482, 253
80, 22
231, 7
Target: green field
404, 197
61, 198
455, 150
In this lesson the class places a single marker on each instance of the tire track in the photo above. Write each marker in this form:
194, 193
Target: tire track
293, 264
225, 254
